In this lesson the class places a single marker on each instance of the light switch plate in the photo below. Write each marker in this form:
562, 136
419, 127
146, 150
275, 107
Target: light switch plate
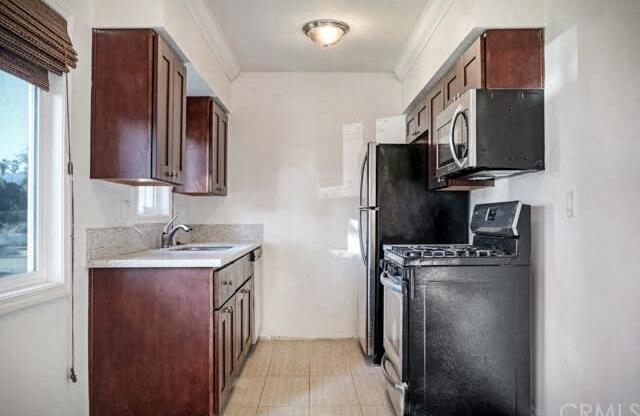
571, 203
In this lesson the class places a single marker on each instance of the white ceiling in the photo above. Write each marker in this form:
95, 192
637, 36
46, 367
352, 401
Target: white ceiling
266, 35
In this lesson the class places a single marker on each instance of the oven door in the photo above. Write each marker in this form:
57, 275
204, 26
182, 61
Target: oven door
455, 136
394, 339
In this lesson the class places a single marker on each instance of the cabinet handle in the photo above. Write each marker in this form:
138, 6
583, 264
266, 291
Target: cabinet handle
228, 310
228, 282
244, 291
170, 174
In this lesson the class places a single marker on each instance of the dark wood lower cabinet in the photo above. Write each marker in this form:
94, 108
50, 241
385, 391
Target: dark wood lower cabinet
159, 346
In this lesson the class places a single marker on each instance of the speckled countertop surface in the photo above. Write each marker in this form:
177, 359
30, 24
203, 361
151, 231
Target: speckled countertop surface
172, 258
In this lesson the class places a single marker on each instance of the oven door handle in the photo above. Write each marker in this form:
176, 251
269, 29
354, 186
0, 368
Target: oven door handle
402, 386
392, 284
452, 146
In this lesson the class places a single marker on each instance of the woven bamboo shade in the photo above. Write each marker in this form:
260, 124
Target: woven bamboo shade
34, 41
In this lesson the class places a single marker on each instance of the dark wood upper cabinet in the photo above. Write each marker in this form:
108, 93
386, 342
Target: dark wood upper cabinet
179, 120
205, 155
452, 85
138, 103
412, 126
499, 58
199, 140
502, 58
470, 67
417, 122
514, 58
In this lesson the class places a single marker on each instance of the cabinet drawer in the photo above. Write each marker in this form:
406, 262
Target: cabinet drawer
228, 279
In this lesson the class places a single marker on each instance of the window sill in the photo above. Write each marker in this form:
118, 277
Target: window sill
32, 295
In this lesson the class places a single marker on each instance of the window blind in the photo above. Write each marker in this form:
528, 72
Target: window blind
34, 41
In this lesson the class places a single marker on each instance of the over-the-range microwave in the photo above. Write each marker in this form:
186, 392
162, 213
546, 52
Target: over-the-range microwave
489, 134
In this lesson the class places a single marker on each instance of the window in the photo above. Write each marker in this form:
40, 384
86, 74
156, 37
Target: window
154, 203
32, 192
18, 166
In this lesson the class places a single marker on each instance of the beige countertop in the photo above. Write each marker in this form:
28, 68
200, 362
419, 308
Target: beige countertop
174, 257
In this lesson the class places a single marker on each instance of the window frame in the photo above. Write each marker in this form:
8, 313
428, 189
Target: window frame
154, 216
49, 280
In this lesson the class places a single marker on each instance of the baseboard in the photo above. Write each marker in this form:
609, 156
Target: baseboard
303, 338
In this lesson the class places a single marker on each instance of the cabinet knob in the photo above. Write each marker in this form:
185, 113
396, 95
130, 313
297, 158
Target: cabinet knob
170, 174
244, 291
228, 310
227, 282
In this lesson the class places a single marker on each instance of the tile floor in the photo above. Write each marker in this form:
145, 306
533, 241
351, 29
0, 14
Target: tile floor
308, 378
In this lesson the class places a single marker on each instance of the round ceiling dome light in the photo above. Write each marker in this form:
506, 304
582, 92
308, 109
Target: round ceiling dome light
325, 32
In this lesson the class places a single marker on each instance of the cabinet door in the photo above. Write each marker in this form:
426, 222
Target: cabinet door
219, 154
452, 84
436, 106
225, 358
514, 58
411, 126
422, 118
178, 119
222, 154
215, 149
247, 330
196, 172
238, 299
472, 68
163, 111
243, 322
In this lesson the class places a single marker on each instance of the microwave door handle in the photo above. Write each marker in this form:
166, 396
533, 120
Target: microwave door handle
452, 146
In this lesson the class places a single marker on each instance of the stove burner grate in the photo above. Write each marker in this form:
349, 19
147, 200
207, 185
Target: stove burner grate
429, 251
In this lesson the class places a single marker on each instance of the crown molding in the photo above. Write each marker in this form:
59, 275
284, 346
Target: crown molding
427, 24
213, 33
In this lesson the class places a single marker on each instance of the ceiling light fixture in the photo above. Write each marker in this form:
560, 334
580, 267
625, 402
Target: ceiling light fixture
325, 32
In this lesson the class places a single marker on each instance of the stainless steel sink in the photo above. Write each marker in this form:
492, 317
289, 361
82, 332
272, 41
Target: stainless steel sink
202, 248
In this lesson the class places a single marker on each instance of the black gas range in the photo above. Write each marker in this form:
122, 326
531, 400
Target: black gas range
457, 319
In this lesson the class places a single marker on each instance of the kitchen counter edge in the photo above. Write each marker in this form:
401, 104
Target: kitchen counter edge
144, 259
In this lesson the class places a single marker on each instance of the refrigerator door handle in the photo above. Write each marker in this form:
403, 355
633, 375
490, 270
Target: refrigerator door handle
363, 166
360, 237
362, 207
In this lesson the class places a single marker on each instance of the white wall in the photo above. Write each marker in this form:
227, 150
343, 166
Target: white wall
35, 341
586, 267
285, 156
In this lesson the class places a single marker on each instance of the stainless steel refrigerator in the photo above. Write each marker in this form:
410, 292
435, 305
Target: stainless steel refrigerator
395, 207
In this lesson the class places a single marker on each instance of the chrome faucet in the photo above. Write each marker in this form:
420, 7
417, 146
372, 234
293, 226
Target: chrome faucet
169, 232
